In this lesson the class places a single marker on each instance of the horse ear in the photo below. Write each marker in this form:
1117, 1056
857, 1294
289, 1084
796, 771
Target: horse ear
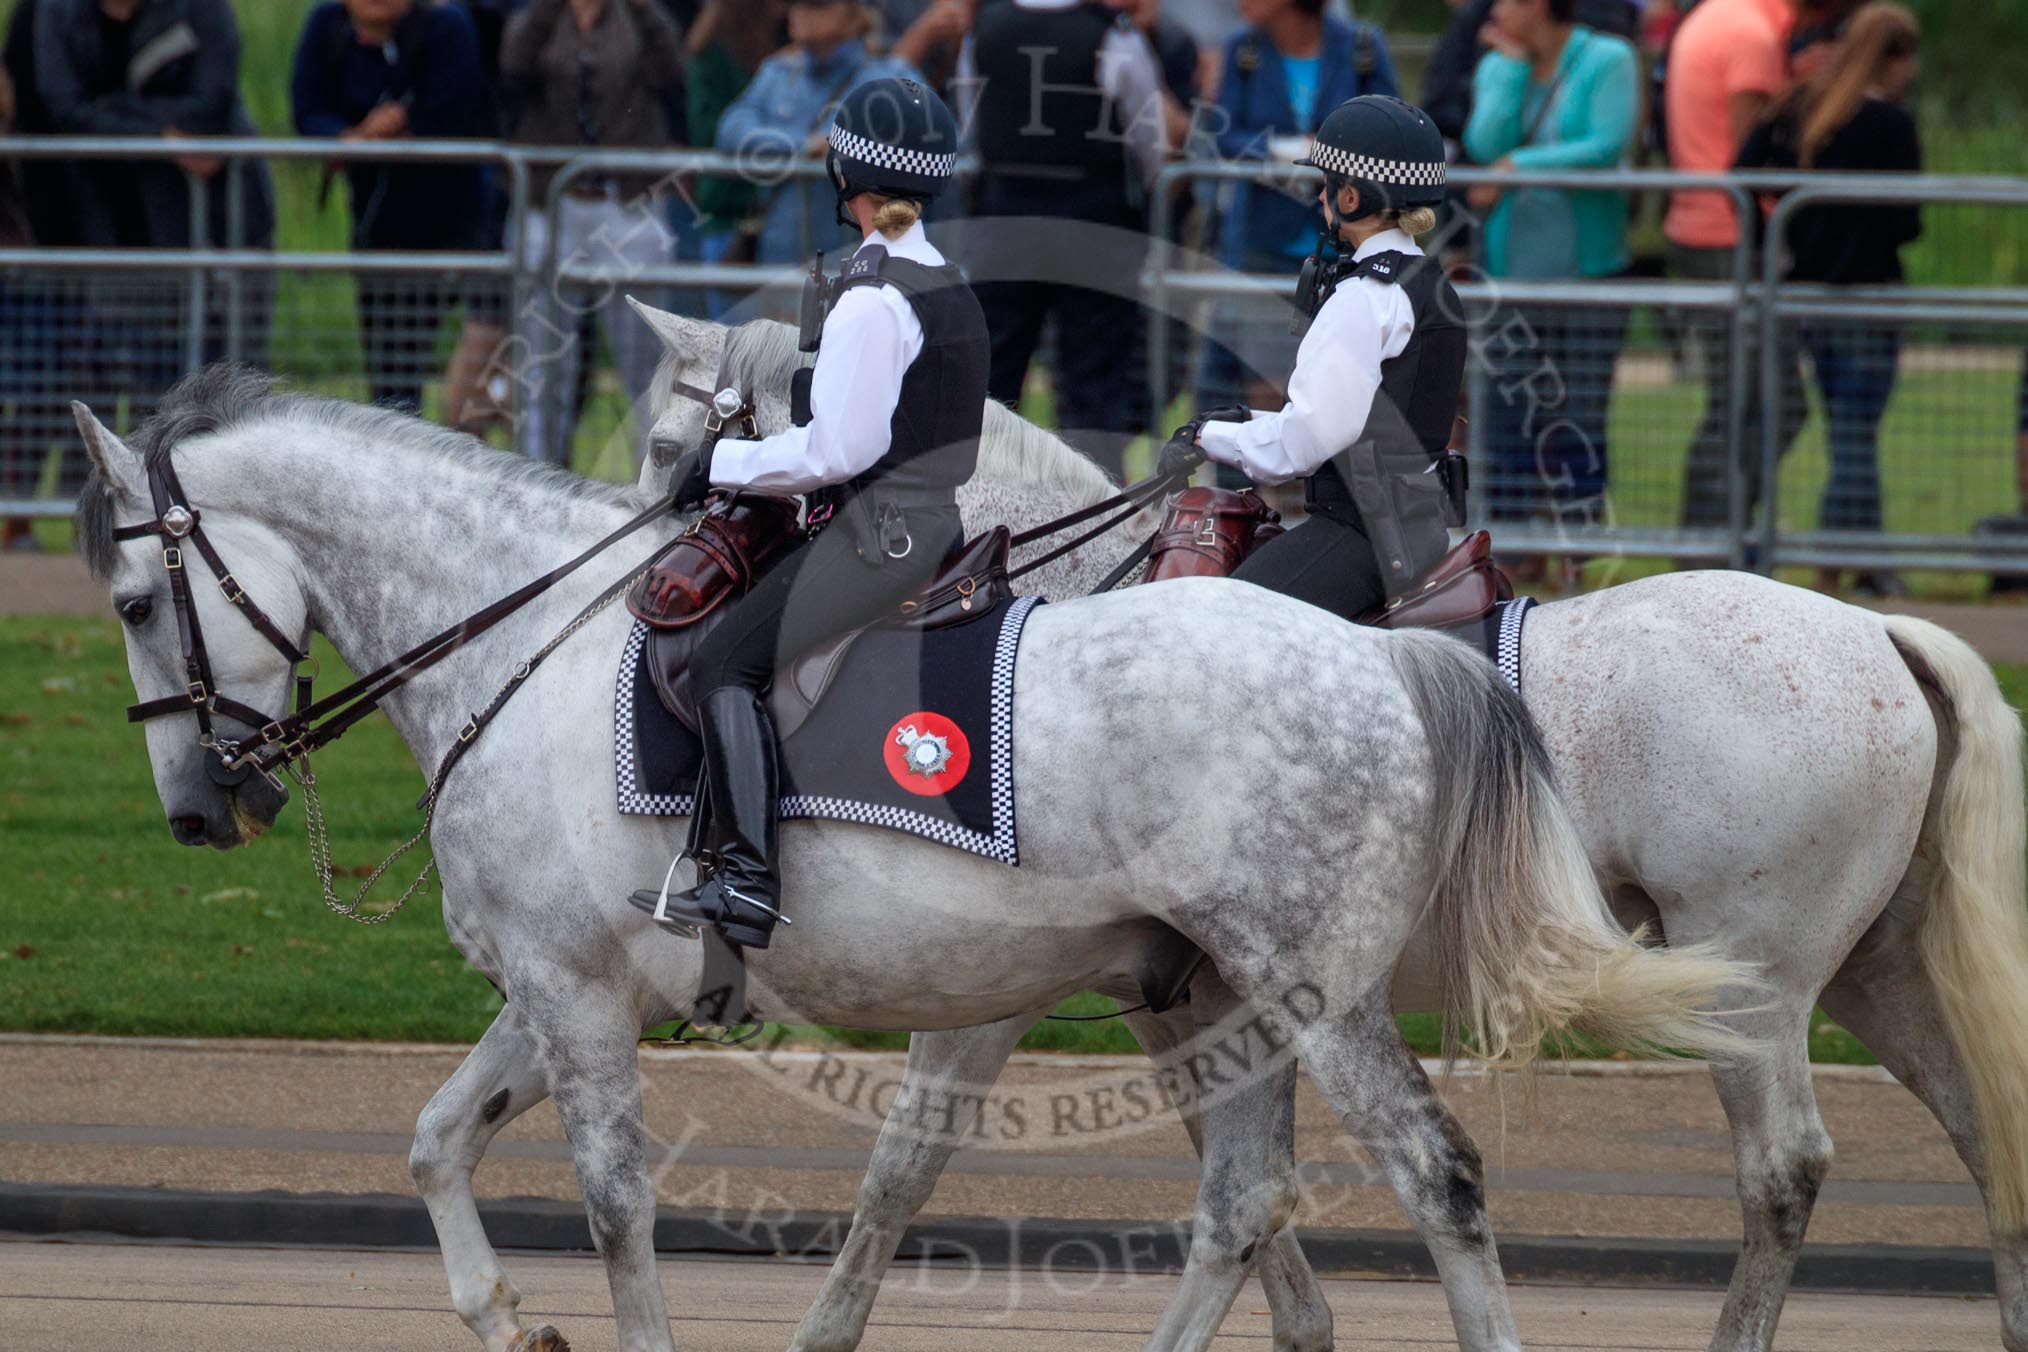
117, 465
684, 338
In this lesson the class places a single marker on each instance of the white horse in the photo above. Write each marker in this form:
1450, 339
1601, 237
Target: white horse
1135, 716
1828, 794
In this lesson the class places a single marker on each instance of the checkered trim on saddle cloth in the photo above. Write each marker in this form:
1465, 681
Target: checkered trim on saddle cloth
838, 766
1411, 173
863, 150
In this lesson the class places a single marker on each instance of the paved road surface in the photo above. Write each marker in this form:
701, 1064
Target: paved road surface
116, 1298
1619, 1150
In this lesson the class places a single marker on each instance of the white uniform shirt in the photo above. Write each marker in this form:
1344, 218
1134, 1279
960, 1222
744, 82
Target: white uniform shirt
1337, 378
871, 338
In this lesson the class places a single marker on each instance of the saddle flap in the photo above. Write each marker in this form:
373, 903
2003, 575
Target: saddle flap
972, 583
721, 555
1208, 532
1464, 586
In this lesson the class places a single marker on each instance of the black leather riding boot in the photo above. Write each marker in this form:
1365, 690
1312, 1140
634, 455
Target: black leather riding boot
742, 893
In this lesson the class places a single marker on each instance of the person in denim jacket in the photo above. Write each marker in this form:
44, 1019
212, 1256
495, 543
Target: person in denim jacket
783, 114
1292, 64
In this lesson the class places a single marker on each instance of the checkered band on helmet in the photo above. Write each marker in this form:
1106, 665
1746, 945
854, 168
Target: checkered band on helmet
1409, 173
1391, 151
895, 137
858, 150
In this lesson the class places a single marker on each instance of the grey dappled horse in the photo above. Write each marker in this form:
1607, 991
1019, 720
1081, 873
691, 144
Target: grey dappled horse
1388, 776
1832, 796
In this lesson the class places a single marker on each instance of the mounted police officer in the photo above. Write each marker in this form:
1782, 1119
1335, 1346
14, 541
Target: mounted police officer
1375, 389
888, 427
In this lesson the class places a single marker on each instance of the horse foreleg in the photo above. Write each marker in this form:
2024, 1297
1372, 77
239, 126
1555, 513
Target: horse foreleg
1888, 1001
498, 1082
948, 1077
588, 1035
1781, 1154
1246, 1134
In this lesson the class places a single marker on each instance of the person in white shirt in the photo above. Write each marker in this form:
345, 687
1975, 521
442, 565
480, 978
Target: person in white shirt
896, 404
1375, 389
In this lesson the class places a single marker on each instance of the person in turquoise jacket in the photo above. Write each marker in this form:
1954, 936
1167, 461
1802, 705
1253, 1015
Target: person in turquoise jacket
1551, 94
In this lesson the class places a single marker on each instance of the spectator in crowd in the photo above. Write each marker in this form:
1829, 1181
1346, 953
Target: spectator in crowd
20, 312
1726, 64
1848, 118
152, 68
727, 46
1071, 122
389, 70
1282, 73
1552, 94
1454, 63
782, 115
590, 73
927, 34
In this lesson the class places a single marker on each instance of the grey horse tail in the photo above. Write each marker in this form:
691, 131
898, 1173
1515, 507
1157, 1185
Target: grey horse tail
1527, 946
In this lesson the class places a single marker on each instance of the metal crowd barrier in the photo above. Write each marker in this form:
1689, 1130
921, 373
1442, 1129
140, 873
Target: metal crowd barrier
1654, 398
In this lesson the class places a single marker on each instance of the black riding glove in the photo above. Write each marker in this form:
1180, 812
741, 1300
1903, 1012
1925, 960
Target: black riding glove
1182, 454
690, 481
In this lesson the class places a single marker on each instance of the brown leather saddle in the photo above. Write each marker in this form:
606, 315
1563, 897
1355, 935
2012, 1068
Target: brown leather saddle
682, 597
1209, 532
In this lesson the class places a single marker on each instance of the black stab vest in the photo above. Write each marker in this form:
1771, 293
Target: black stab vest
1417, 405
934, 438
1044, 125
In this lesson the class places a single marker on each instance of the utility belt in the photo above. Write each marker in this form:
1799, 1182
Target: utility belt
877, 513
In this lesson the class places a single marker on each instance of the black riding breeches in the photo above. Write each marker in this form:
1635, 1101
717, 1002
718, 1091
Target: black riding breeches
817, 591
1327, 561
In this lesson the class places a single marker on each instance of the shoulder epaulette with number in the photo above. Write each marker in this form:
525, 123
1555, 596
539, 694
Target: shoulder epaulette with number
1382, 267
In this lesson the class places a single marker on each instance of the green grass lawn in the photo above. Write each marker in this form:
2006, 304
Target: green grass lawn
107, 926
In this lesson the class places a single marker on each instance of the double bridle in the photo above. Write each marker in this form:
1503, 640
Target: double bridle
286, 742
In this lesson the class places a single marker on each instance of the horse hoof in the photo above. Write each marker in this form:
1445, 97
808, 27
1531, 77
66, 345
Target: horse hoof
541, 1338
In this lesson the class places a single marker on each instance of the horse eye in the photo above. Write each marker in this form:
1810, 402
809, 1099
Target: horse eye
137, 611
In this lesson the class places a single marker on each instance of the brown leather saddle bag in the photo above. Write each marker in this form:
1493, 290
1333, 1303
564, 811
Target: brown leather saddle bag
1463, 587
1208, 532
722, 554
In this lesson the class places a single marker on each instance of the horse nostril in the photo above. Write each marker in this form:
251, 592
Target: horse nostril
187, 830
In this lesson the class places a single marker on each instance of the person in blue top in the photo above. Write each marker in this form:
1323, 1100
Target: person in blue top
386, 70
1291, 65
1552, 94
784, 115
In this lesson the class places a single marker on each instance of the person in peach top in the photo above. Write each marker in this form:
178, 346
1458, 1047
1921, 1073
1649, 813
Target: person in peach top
1727, 62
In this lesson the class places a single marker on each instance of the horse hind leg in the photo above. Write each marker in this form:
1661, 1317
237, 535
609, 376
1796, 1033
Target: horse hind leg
1245, 1131
497, 1082
1781, 1154
1302, 1317
946, 1083
1888, 1000
1355, 1054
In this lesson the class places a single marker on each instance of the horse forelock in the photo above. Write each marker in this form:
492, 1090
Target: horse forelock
228, 397
762, 354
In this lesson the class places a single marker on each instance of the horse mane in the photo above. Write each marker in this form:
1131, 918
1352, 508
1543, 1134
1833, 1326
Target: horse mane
228, 397
762, 354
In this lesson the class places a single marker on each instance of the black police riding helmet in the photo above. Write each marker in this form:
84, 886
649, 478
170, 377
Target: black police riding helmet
1389, 150
893, 137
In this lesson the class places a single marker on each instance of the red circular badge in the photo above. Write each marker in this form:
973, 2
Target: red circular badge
927, 754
